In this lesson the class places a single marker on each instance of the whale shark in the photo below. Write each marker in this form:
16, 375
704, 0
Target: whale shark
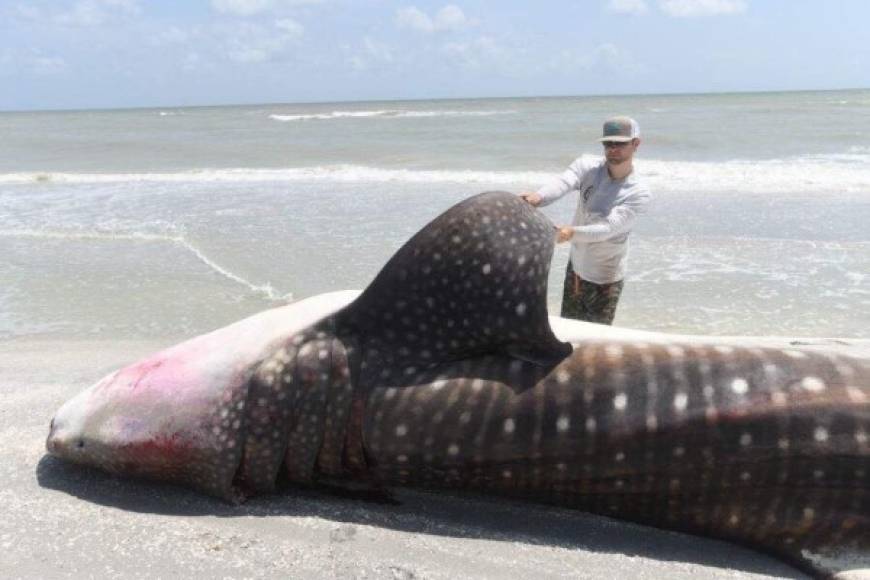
446, 373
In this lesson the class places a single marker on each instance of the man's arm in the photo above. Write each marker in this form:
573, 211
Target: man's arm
619, 221
559, 186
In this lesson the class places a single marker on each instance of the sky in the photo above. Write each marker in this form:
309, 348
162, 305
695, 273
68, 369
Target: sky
81, 54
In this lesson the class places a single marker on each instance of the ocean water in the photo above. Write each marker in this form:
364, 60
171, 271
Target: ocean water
163, 223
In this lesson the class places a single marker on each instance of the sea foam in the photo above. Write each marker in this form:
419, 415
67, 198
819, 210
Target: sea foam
393, 114
265, 290
839, 173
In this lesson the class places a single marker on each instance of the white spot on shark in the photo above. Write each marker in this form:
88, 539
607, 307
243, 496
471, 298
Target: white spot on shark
855, 394
620, 401
613, 350
813, 384
680, 402
676, 351
740, 386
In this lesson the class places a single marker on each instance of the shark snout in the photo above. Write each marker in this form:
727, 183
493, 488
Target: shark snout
50, 442
54, 443
60, 442
67, 429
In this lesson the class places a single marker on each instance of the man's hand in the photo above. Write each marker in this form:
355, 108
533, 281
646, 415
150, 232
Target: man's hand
564, 233
532, 198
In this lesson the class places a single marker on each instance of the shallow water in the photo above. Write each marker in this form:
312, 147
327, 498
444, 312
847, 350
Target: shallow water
163, 222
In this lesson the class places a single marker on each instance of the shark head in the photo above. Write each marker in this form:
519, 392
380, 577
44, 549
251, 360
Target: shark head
167, 417
181, 414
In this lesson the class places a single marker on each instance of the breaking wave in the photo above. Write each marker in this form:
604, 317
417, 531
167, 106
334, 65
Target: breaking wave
841, 173
395, 114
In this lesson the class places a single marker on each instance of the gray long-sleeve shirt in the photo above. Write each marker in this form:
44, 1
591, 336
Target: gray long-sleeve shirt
606, 212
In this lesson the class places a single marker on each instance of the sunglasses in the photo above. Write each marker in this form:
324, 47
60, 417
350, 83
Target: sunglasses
615, 143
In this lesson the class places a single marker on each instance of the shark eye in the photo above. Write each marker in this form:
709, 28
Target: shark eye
80, 443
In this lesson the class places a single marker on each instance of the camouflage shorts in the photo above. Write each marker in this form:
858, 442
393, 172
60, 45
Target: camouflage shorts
583, 300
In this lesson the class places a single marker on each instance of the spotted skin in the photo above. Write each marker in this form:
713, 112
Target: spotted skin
445, 373
753, 445
267, 425
473, 281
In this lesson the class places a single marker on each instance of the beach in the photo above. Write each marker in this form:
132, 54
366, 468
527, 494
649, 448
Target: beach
124, 232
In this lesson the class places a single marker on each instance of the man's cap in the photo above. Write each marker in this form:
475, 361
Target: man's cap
620, 129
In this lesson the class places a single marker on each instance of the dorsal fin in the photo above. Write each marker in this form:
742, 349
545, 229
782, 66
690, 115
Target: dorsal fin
472, 281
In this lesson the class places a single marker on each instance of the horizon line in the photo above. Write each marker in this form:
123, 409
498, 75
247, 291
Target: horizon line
418, 99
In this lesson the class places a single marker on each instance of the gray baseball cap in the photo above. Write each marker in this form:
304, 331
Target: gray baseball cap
620, 129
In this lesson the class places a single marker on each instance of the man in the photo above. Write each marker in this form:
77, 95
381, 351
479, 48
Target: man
611, 198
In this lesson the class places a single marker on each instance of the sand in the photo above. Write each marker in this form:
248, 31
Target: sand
63, 521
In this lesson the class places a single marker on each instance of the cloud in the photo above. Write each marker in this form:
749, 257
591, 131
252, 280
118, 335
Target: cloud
372, 52
191, 62
89, 13
27, 12
170, 36
290, 27
414, 18
30, 61
604, 58
377, 50
635, 7
474, 54
241, 7
450, 18
236, 41
697, 8
248, 43
47, 65
253, 7
608, 55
